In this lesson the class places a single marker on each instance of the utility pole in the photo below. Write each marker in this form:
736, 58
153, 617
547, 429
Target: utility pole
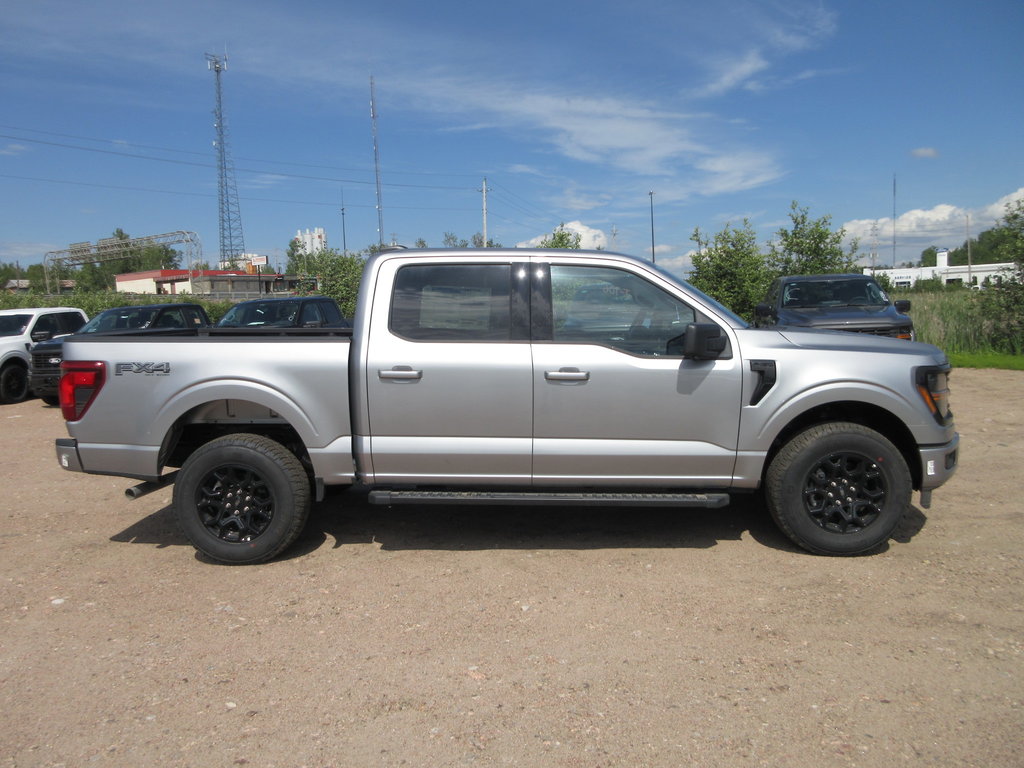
651, 193
970, 278
344, 239
894, 221
376, 165
485, 212
232, 245
874, 245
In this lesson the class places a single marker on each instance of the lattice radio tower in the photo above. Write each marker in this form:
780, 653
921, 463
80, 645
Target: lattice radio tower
232, 246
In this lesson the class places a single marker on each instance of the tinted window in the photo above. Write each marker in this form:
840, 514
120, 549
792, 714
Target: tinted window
13, 325
332, 313
452, 302
71, 321
598, 305
47, 323
192, 318
310, 314
171, 318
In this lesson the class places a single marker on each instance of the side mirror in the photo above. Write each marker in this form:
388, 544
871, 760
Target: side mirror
762, 314
41, 335
902, 305
702, 341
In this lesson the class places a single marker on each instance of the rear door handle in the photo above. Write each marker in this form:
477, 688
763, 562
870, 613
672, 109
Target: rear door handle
567, 374
400, 372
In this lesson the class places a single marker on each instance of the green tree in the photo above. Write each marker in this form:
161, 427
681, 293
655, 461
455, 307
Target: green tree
478, 242
810, 247
296, 258
338, 276
1003, 303
451, 240
731, 268
561, 238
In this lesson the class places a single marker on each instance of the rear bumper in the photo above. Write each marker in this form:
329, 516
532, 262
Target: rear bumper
67, 454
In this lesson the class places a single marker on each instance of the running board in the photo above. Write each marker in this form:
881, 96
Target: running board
706, 500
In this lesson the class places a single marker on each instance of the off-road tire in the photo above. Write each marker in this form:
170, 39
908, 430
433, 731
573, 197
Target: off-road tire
13, 383
242, 498
838, 489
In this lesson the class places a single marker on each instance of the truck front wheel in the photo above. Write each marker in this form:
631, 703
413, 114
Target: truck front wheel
13, 383
242, 498
838, 489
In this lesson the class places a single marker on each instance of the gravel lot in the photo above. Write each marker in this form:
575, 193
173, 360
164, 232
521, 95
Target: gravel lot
523, 637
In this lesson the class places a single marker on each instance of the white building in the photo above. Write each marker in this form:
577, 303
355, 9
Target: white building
311, 242
977, 274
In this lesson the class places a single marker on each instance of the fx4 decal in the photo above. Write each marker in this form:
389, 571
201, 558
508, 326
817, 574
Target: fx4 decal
147, 369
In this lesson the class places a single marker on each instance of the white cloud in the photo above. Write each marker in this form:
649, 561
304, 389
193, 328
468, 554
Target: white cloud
733, 73
927, 152
679, 265
590, 238
14, 149
943, 225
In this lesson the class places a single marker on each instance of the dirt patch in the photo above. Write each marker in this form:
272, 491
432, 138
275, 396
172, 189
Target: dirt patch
496, 636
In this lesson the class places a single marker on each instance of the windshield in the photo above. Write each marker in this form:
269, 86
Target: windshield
833, 293
256, 313
13, 325
121, 318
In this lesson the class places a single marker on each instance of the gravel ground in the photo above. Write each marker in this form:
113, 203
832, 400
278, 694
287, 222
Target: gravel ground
522, 637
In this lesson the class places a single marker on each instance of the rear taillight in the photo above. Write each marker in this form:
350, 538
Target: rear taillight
80, 382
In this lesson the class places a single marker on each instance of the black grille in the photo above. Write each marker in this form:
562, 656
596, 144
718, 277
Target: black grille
41, 363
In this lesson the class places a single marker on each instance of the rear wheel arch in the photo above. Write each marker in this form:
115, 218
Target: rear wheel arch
214, 419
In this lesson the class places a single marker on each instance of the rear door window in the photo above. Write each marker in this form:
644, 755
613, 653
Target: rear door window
452, 302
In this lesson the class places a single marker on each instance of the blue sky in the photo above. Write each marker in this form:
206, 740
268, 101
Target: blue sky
574, 112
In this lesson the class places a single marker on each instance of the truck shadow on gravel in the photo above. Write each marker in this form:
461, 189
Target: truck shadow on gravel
346, 518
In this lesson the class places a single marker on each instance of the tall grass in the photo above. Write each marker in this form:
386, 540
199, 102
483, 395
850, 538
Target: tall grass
954, 321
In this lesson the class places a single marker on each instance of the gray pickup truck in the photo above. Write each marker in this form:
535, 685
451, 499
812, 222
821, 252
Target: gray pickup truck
515, 377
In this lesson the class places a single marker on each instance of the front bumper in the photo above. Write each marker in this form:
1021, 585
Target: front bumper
938, 464
44, 384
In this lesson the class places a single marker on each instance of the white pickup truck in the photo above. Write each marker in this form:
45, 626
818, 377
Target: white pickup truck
514, 377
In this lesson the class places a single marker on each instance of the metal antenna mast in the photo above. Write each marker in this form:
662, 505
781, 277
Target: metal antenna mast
231, 244
376, 165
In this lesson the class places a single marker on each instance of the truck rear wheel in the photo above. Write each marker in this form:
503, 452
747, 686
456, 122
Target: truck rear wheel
838, 489
242, 498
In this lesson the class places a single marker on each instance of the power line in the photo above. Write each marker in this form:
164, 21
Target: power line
173, 150
305, 177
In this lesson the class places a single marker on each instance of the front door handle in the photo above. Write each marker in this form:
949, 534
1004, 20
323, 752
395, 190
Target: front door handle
401, 373
567, 374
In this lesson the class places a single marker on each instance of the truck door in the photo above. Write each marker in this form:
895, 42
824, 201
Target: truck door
449, 375
611, 407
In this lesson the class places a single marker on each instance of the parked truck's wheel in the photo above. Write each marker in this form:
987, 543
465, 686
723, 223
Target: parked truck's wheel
242, 498
13, 383
838, 489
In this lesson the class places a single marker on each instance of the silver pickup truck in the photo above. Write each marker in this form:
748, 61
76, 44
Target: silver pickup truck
514, 377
